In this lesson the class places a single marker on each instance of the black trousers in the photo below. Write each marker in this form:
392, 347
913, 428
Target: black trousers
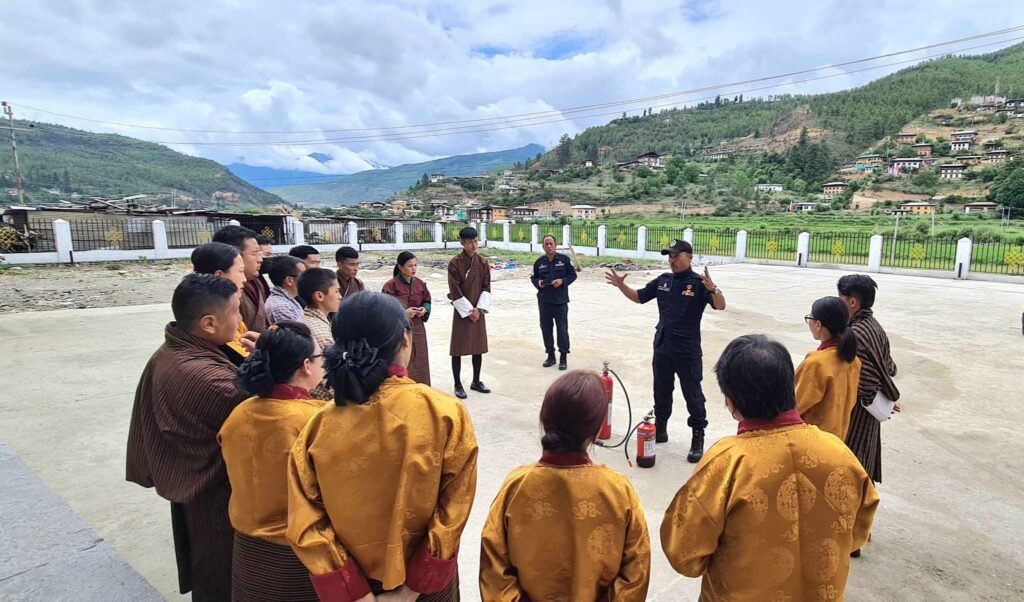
559, 314
690, 370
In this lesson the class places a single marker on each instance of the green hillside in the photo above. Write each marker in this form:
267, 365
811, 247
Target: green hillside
379, 184
74, 161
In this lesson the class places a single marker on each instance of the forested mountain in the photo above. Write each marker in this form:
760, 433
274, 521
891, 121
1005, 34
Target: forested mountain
851, 120
379, 184
74, 161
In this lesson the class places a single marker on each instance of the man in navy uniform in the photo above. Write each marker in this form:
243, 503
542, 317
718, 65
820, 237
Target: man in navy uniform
552, 274
682, 296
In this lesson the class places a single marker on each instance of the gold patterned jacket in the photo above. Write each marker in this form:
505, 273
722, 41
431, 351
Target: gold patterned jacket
771, 514
382, 490
565, 529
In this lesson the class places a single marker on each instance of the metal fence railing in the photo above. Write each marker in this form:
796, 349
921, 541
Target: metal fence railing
451, 231
418, 231
326, 232
552, 229
189, 232
621, 237
375, 231
521, 232
495, 232
115, 234
714, 242
659, 238
840, 247
35, 236
998, 258
769, 244
919, 252
584, 234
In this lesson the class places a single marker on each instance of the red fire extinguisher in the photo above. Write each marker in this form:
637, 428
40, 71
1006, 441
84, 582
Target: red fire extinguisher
645, 435
606, 426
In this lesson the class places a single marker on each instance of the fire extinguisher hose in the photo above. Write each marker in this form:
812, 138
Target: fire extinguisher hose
629, 433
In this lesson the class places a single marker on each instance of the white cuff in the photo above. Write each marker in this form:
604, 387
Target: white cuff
484, 302
463, 306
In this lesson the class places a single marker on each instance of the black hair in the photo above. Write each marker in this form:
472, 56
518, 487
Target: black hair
756, 373
282, 267
315, 280
573, 409
263, 240
367, 334
834, 314
303, 251
199, 295
279, 352
468, 233
403, 258
344, 253
860, 286
551, 236
213, 257
234, 236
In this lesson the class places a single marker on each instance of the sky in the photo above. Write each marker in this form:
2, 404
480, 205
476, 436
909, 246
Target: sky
310, 66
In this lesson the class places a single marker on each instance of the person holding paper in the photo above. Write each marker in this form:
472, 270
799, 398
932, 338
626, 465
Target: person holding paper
469, 288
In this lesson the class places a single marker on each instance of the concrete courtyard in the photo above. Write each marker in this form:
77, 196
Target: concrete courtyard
951, 521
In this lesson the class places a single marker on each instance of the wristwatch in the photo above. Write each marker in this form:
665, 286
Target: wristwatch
717, 291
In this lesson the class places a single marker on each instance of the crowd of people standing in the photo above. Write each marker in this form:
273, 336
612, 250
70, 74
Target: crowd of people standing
293, 427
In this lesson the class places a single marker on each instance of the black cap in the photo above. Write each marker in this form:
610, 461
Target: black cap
678, 246
467, 233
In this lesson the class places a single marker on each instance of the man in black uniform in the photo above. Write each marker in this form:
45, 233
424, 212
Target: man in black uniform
682, 296
552, 274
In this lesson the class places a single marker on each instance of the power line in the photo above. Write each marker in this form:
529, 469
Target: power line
538, 114
522, 123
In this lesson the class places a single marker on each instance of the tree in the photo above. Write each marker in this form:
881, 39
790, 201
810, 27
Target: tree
643, 172
424, 181
926, 180
564, 150
1008, 188
691, 173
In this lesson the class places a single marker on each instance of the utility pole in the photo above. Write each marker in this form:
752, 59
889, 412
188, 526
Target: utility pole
14, 147
895, 232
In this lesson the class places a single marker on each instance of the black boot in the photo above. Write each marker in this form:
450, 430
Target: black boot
696, 446
550, 361
661, 432
562, 365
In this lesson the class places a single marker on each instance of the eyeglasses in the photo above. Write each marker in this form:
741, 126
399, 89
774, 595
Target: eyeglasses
808, 318
313, 357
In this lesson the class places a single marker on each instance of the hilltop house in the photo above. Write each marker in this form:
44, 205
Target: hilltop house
923, 149
906, 163
719, 155
905, 138
833, 189
918, 207
980, 207
969, 159
652, 160
770, 188
481, 214
803, 206
499, 214
959, 145
442, 210
964, 135
584, 211
951, 171
870, 160
588, 163
997, 156
436, 177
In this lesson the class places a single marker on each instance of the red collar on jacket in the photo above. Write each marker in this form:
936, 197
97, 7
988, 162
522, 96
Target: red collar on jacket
756, 424
396, 370
833, 342
282, 391
562, 459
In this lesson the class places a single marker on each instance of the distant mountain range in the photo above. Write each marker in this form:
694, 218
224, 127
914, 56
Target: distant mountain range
374, 184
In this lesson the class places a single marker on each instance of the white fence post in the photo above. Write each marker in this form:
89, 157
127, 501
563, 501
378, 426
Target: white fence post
803, 248
297, 230
688, 236
875, 254
566, 235
741, 246
62, 240
641, 242
506, 231
159, 239
602, 239
399, 233
353, 234
234, 222
438, 232
534, 233
964, 246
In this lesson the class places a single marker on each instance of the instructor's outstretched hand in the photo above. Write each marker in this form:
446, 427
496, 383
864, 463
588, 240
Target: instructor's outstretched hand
615, 279
706, 279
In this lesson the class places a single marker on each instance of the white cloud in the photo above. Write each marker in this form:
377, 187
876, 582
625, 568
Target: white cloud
314, 66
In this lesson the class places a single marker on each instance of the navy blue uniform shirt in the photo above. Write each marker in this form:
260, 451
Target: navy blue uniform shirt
682, 299
548, 271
